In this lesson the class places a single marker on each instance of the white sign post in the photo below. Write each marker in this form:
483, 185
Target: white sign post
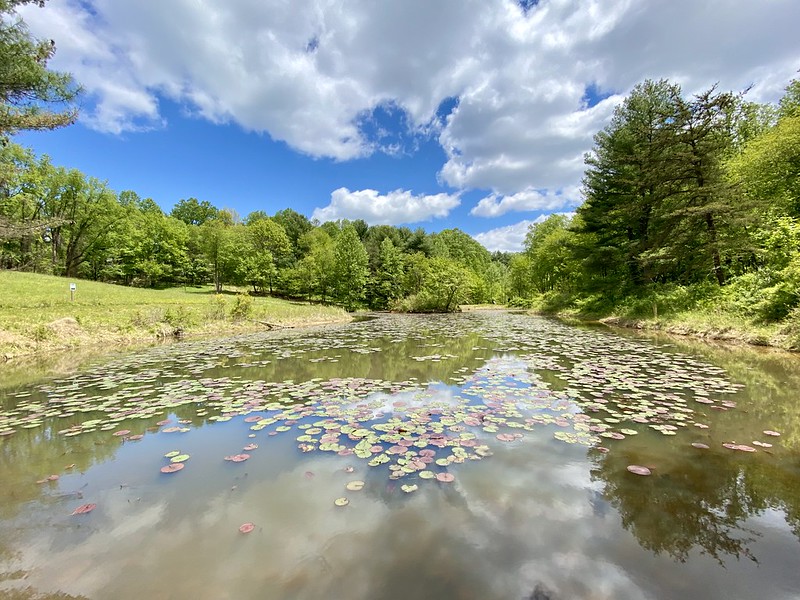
72, 288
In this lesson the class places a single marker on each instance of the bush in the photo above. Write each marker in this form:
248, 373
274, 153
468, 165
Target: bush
242, 306
178, 317
518, 302
765, 295
665, 299
217, 307
792, 329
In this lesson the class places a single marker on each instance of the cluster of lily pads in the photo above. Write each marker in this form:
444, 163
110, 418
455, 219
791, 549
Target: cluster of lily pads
587, 386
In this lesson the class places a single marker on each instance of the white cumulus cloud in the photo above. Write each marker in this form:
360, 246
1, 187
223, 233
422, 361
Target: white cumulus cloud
532, 87
394, 208
527, 200
507, 239
511, 238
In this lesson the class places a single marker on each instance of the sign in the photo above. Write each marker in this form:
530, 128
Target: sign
73, 287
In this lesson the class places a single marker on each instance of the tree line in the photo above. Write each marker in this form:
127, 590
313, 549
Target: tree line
59, 221
686, 201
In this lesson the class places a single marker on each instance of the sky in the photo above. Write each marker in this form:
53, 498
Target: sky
473, 114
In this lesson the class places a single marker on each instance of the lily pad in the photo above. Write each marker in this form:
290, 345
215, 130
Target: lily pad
84, 508
180, 458
172, 467
639, 470
445, 477
237, 458
355, 486
341, 501
246, 527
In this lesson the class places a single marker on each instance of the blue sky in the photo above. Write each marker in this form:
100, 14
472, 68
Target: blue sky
465, 113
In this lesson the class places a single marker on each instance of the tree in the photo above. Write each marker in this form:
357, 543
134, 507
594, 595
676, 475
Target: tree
22, 223
626, 182
549, 254
148, 248
768, 168
295, 225
221, 251
447, 286
313, 273
657, 199
385, 285
31, 96
193, 212
350, 267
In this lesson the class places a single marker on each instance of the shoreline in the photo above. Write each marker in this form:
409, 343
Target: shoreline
763, 337
71, 337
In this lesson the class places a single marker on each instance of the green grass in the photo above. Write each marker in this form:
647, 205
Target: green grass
37, 313
703, 311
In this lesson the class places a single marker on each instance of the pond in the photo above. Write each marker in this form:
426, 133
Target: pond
487, 455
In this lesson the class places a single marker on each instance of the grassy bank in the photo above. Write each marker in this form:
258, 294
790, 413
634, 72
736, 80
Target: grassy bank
37, 313
702, 312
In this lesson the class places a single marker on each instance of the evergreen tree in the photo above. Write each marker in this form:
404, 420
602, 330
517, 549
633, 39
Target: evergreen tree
31, 96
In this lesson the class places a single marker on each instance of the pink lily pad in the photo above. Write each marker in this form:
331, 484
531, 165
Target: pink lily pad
246, 527
739, 447
121, 432
445, 477
239, 457
84, 508
772, 433
172, 467
639, 470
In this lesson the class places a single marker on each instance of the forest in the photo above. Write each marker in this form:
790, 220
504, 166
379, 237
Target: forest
59, 221
689, 204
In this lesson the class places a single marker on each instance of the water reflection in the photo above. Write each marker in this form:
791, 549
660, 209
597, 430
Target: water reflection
539, 517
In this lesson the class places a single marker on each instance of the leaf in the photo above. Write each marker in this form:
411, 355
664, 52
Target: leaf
246, 527
172, 467
84, 508
639, 470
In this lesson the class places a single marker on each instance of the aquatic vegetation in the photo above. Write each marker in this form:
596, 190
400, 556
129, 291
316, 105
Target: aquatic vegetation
583, 385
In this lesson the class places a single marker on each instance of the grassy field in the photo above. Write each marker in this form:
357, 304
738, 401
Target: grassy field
37, 313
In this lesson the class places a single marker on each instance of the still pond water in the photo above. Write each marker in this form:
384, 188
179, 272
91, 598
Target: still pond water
476, 456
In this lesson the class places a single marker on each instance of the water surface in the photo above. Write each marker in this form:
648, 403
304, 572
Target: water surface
493, 450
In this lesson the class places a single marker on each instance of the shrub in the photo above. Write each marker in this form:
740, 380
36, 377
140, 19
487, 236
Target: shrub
217, 307
242, 306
